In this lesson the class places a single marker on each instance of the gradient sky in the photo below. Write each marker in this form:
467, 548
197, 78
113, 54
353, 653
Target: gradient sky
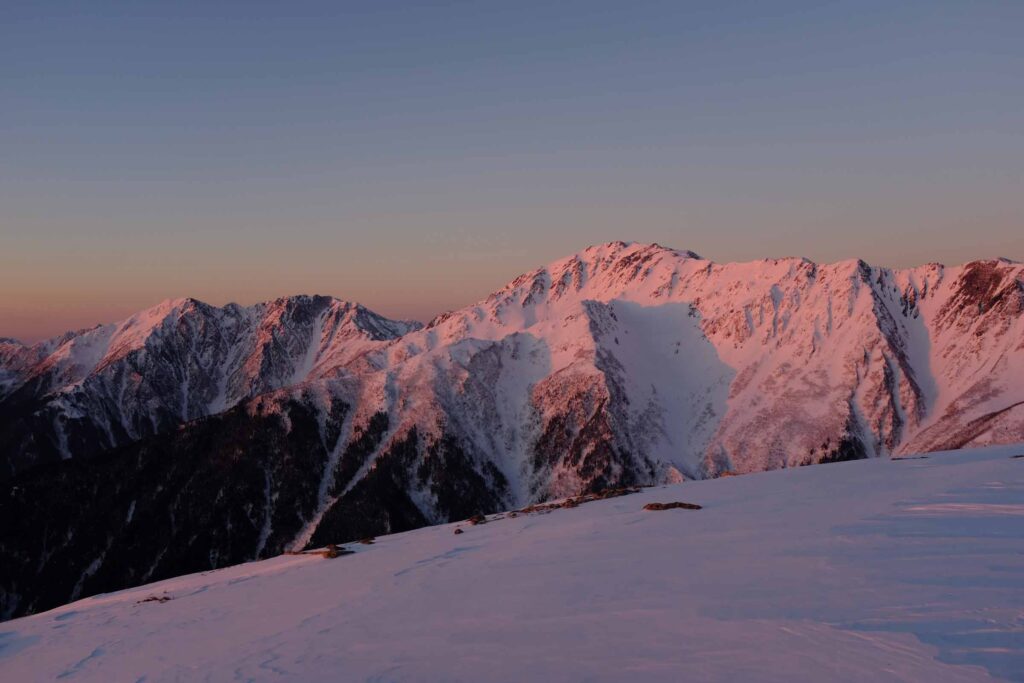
415, 156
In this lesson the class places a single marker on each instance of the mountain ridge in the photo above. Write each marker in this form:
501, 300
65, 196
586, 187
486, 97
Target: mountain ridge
621, 364
175, 361
783, 291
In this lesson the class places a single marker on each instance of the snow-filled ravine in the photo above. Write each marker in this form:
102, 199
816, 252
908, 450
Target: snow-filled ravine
874, 570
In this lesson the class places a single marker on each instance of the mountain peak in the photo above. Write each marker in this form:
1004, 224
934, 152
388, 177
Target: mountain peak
174, 303
621, 247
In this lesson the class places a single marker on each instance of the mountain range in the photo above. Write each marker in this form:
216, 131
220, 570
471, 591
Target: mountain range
189, 437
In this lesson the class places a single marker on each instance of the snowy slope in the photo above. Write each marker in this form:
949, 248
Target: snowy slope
876, 570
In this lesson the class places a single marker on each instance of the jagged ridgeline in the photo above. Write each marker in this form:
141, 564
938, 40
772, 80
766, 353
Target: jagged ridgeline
189, 437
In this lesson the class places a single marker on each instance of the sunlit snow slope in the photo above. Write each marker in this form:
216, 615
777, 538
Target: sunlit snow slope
875, 570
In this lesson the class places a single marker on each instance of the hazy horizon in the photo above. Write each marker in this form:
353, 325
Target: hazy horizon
415, 157
119, 314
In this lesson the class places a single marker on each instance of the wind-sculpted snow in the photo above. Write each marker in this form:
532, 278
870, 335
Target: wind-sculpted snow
623, 364
879, 570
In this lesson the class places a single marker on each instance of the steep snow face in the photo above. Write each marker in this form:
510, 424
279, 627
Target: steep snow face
630, 362
881, 570
975, 317
177, 361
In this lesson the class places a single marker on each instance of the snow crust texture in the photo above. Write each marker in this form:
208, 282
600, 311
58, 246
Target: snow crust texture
189, 437
876, 570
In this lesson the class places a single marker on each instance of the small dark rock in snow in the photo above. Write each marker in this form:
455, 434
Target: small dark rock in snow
458, 530
333, 551
672, 506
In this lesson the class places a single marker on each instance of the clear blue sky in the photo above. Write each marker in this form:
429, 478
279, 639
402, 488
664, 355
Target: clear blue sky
414, 156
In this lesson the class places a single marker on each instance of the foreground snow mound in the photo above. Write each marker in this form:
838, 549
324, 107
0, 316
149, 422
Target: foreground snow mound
874, 570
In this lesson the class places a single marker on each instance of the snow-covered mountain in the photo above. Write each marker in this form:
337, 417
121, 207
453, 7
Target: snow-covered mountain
901, 570
92, 390
621, 364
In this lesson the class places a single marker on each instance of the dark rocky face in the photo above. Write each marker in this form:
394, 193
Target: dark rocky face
987, 290
217, 491
221, 490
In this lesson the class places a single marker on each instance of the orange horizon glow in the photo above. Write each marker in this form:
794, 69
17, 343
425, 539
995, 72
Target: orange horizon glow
84, 294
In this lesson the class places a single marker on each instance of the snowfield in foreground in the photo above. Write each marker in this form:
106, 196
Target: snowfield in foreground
874, 570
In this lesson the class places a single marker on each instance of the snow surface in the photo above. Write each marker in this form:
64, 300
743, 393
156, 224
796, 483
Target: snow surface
876, 570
